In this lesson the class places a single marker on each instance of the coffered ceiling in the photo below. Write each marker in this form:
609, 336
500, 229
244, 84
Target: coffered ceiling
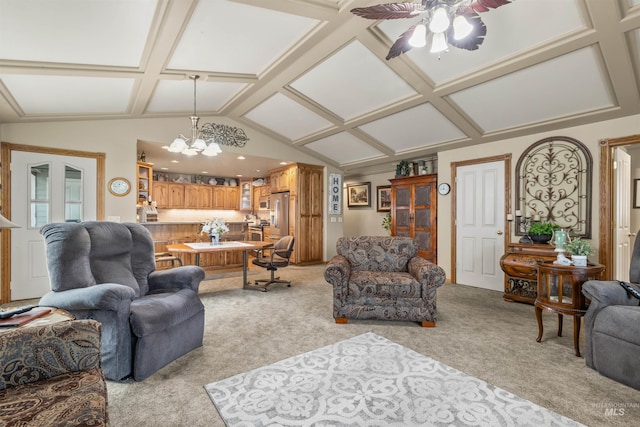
312, 75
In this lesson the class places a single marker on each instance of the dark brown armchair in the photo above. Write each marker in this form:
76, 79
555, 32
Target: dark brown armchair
274, 258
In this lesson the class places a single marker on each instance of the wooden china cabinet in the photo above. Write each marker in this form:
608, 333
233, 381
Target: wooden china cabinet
414, 212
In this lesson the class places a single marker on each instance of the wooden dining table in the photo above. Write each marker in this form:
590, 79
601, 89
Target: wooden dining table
228, 246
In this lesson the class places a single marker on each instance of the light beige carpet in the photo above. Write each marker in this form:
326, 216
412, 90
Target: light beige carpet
477, 333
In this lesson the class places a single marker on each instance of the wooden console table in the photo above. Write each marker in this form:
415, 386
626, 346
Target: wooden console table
520, 265
560, 291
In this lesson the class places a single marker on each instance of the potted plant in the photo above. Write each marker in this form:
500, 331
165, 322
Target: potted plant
386, 222
541, 231
579, 250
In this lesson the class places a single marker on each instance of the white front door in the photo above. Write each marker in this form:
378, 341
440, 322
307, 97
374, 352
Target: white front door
480, 207
622, 214
45, 188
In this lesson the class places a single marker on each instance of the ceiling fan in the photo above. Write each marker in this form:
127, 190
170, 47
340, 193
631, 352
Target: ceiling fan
453, 22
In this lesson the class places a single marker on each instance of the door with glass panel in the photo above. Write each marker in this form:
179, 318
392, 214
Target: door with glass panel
45, 188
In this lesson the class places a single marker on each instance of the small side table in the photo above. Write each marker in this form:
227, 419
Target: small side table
560, 291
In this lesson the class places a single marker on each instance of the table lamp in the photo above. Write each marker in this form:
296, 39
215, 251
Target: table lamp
5, 223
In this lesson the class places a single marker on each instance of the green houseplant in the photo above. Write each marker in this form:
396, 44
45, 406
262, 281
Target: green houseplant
541, 231
579, 250
386, 222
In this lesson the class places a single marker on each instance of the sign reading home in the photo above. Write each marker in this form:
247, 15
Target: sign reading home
335, 194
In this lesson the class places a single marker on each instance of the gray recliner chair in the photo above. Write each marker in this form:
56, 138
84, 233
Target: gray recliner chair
106, 271
612, 326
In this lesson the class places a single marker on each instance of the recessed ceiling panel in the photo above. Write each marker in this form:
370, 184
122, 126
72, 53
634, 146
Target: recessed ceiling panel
413, 128
229, 37
288, 118
101, 32
177, 95
353, 82
36, 94
512, 28
344, 148
570, 84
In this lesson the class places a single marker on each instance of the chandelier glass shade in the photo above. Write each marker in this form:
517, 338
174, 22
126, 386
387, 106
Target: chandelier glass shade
207, 139
445, 23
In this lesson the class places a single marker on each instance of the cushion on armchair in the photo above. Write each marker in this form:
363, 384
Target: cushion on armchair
51, 375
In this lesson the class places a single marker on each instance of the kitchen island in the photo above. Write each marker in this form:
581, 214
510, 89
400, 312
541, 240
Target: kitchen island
172, 233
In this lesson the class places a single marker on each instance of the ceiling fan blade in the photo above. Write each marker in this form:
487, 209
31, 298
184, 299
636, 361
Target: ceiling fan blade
480, 6
402, 44
474, 39
390, 11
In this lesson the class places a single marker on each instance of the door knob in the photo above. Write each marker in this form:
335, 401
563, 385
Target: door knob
499, 233
632, 234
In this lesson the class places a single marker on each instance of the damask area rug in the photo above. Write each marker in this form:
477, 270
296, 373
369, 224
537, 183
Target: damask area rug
369, 381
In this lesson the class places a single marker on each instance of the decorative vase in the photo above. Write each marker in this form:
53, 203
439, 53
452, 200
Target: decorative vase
579, 260
215, 239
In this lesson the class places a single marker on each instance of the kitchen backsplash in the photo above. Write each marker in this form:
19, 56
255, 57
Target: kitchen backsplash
199, 215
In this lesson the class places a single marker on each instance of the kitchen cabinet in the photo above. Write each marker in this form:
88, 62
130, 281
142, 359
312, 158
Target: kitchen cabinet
144, 181
414, 212
198, 196
281, 179
232, 200
161, 194
258, 192
176, 196
246, 195
304, 183
169, 195
173, 195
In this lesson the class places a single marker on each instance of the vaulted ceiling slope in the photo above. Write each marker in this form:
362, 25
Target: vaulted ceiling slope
313, 75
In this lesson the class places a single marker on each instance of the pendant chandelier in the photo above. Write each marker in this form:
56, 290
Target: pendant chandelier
207, 140
444, 22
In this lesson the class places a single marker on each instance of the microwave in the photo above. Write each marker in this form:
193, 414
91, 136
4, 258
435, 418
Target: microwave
263, 203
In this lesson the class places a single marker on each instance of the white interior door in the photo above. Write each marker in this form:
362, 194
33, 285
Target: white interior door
45, 188
622, 214
480, 206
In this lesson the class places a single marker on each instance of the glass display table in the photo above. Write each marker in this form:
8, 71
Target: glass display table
560, 291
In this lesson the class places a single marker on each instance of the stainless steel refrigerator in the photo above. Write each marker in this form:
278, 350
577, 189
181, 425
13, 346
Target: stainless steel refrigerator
279, 216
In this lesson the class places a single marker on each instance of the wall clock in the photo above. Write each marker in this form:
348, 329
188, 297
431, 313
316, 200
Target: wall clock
119, 186
444, 188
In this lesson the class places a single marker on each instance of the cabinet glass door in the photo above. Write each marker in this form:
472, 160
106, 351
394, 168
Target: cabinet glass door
403, 211
422, 222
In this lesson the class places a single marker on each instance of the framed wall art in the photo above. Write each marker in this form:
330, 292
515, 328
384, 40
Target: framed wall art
359, 195
383, 201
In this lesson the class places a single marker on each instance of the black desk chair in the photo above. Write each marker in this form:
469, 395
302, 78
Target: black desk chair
278, 257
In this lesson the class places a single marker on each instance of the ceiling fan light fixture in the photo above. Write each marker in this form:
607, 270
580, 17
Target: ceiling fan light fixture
439, 43
461, 27
189, 152
419, 37
439, 21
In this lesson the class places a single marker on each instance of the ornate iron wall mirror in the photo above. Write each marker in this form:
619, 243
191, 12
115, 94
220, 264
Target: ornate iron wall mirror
554, 183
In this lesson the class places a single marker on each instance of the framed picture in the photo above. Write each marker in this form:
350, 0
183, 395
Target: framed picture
384, 198
359, 195
636, 193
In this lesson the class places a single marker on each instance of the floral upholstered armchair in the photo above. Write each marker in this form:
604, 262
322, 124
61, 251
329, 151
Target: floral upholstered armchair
381, 277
